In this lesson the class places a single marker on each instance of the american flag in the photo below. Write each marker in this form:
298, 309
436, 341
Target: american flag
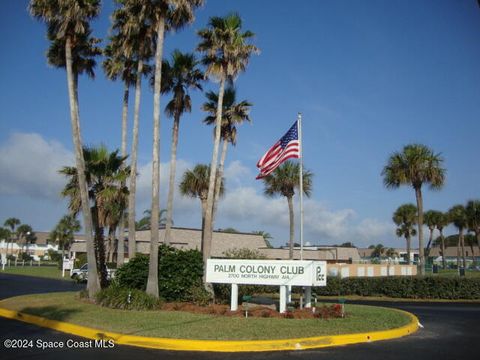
287, 147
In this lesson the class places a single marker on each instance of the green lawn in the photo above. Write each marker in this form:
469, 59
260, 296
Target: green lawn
40, 271
68, 307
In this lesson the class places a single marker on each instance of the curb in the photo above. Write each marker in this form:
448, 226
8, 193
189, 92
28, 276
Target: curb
216, 345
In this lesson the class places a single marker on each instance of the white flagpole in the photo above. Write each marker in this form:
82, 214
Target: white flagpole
301, 182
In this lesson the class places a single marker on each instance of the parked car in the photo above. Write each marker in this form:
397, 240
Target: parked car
81, 274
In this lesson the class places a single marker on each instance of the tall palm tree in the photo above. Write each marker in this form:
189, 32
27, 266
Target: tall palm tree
25, 232
133, 29
283, 181
63, 232
405, 217
12, 223
145, 221
118, 65
473, 218
194, 184
68, 21
233, 114
443, 221
266, 237
226, 54
179, 76
458, 217
431, 218
105, 175
415, 165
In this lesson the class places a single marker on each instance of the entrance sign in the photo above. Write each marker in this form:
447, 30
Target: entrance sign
267, 272
67, 265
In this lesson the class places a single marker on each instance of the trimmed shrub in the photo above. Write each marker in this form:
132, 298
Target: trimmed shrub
134, 274
427, 287
117, 297
179, 271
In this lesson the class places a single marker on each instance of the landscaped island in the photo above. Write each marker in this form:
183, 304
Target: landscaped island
68, 307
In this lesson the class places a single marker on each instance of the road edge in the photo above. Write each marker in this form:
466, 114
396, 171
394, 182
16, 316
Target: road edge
216, 345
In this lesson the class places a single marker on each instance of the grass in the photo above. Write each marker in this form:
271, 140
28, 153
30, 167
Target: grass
51, 272
176, 324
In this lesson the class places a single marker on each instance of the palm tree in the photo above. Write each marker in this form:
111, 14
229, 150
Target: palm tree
233, 113
226, 54
105, 175
68, 21
378, 251
63, 233
12, 223
431, 218
283, 181
179, 76
405, 218
25, 232
194, 184
443, 221
118, 65
131, 26
391, 253
473, 218
415, 165
266, 236
458, 217
144, 222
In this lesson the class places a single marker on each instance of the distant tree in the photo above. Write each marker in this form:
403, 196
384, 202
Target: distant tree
371, 246
458, 216
63, 233
443, 221
473, 218
378, 251
414, 166
229, 230
12, 223
405, 218
347, 244
391, 253
471, 241
431, 217
266, 236
243, 253
283, 181
144, 222
26, 233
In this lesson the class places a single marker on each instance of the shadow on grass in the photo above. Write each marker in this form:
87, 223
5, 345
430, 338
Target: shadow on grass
50, 312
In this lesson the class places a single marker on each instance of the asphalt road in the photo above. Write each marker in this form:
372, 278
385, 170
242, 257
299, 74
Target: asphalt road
451, 331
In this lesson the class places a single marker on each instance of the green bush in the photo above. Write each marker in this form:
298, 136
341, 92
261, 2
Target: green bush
427, 287
24, 257
134, 274
117, 297
179, 271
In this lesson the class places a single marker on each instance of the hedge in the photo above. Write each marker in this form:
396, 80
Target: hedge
427, 287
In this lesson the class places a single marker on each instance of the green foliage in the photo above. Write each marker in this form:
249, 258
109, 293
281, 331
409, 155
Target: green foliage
427, 287
243, 253
117, 297
179, 271
198, 295
24, 257
80, 260
134, 274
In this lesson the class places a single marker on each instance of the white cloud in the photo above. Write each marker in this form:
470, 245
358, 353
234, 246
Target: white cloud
29, 165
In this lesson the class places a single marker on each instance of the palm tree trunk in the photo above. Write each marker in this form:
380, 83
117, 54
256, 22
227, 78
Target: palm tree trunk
171, 183
292, 228
204, 210
207, 232
93, 285
132, 246
409, 249
458, 249
462, 244
121, 225
421, 254
427, 249
444, 261
152, 282
218, 180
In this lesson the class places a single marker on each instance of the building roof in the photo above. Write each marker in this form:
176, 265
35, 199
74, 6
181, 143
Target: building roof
451, 251
187, 238
316, 253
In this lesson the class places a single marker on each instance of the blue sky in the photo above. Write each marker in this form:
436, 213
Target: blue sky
368, 76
